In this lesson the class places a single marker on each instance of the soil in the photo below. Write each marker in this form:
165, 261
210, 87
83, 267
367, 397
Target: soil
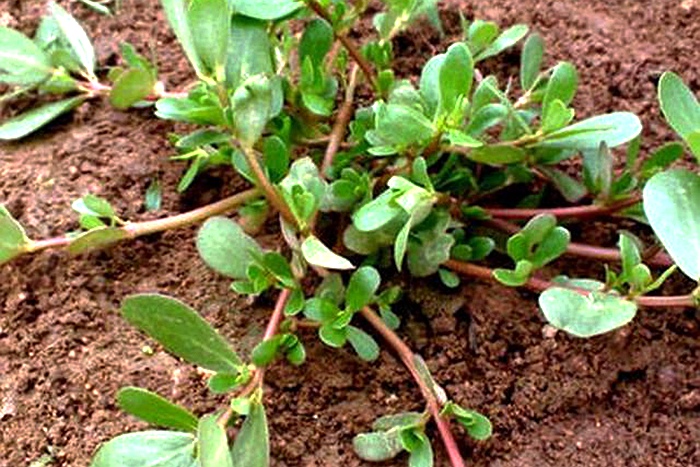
630, 398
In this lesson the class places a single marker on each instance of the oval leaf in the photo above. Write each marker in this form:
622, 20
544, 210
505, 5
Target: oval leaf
176, 12
131, 87
13, 239
211, 22
156, 410
508, 38
19, 55
672, 205
365, 346
181, 330
28, 122
148, 448
252, 445
379, 446
531, 60
96, 239
679, 105
612, 129
76, 36
362, 287
585, 315
269, 10
213, 444
318, 254
226, 248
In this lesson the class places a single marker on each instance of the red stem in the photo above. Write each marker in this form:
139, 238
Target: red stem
659, 259
406, 356
539, 285
341, 123
575, 211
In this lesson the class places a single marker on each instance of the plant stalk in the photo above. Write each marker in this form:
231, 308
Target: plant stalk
138, 229
583, 250
271, 193
406, 356
539, 285
575, 211
347, 43
341, 123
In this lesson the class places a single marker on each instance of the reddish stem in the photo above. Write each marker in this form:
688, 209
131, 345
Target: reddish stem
406, 356
574, 211
659, 259
341, 123
539, 285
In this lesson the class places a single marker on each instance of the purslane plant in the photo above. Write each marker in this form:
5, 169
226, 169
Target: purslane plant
403, 181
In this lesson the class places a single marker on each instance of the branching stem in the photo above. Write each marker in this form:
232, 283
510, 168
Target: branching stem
138, 229
347, 43
539, 285
407, 358
342, 121
579, 212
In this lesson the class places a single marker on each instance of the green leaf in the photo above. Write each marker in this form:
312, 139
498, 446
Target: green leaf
679, 105
455, 77
226, 248
613, 129
265, 352
156, 410
365, 346
333, 336
481, 33
478, 426
213, 444
449, 278
96, 239
693, 140
276, 157
252, 108
399, 126
316, 42
531, 60
222, 383
377, 446
514, 278
557, 116
420, 449
401, 243
269, 10
507, 39
629, 254
318, 254
361, 289
76, 36
252, 445
210, 21
398, 420
20, 56
571, 189
154, 196
13, 239
148, 448
377, 213
92, 205
585, 315
672, 205
181, 330
131, 87
561, 86
249, 51
28, 122
497, 154
176, 13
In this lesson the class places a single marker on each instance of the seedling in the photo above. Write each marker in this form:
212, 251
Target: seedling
407, 182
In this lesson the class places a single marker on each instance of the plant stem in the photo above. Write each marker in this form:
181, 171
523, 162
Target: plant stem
406, 356
258, 377
97, 88
267, 188
349, 46
575, 211
583, 250
342, 121
138, 229
539, 285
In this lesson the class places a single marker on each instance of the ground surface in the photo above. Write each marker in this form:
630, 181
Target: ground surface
631, 398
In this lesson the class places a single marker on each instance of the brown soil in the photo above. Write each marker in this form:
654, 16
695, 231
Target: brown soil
631, 398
